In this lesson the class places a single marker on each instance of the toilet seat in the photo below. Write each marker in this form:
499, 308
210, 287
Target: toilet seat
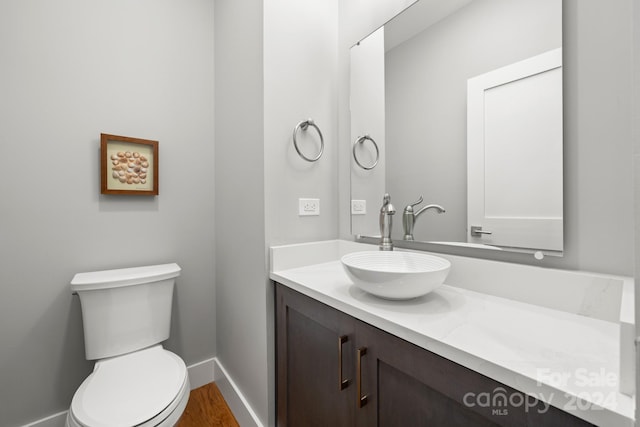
138, 389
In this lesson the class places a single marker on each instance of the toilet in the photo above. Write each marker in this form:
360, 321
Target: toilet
126, 314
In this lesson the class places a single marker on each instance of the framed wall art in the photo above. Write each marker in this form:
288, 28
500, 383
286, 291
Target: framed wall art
128, 165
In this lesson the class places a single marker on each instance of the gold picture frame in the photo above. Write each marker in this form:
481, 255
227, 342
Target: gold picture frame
128, 165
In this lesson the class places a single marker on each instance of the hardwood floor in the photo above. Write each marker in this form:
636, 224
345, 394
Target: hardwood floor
207, 408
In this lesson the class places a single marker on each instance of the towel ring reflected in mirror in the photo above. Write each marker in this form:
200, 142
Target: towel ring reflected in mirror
361, 140
304, 125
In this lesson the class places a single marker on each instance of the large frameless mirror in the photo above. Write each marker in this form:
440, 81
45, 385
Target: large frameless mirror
459, 102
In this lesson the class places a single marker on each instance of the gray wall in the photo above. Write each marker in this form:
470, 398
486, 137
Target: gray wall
241, 292
598, 137
275, 66
598, 144
300, 69
72, 69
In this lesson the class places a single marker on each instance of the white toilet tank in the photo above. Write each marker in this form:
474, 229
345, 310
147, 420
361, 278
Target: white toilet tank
126, 309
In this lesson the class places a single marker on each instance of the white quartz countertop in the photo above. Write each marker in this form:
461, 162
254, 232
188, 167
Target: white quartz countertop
564, 359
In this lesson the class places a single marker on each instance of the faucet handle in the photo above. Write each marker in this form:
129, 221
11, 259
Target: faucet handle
417, 202
387, 207
409, 207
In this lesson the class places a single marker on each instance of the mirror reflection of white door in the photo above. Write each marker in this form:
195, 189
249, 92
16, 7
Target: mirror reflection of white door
514, 146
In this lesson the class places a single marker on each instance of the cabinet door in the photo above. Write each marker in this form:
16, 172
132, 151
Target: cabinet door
314, 369
406, 385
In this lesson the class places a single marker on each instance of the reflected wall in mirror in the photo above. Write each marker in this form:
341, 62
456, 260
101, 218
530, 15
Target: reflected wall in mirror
464, 102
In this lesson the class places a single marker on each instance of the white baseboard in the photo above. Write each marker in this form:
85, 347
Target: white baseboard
55, 420
200, 373
236, 401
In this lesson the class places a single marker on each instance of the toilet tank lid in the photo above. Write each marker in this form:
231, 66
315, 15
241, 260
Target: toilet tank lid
123, 277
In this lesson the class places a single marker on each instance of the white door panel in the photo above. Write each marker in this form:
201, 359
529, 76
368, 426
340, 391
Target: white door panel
515, 154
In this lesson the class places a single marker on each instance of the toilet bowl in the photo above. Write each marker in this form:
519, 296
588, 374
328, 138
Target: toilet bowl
135, 381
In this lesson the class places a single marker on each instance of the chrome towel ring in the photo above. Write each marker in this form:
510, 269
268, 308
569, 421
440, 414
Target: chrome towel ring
361, 140
304, 125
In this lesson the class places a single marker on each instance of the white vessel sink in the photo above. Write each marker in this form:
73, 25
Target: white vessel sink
396, 274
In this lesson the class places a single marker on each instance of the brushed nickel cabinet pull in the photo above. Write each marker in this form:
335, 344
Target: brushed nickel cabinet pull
362, 400
342, 384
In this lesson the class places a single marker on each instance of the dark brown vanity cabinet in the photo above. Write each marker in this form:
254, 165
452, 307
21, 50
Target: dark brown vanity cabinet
334, 370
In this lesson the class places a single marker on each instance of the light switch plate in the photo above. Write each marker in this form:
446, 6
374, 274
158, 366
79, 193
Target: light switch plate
358, 207
308, 207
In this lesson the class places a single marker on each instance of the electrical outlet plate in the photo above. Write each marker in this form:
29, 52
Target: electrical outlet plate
358, 207
308, 207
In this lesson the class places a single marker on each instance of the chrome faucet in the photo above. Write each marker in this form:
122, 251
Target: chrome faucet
409, 218
386, 216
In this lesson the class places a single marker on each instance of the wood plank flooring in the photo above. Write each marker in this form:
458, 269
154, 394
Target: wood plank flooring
207, 408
